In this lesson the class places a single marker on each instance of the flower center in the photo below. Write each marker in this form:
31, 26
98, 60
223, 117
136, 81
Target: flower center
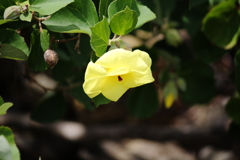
120, 78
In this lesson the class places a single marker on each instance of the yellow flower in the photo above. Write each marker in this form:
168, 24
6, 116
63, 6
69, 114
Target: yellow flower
117, 71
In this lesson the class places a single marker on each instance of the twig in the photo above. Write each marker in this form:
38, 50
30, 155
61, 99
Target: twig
66, 40
77, 45
41, 19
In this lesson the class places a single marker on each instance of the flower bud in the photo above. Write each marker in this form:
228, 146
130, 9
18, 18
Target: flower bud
12, 12
118, 43
51, 57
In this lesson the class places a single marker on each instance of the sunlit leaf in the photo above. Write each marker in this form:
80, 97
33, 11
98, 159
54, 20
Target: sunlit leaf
124, 21
47, 7
77, 17
100, 37
4, 107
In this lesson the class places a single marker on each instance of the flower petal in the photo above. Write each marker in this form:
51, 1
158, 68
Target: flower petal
144, 56
92, 87
113, 89
117, 58
118, 71
94, 70
135, 79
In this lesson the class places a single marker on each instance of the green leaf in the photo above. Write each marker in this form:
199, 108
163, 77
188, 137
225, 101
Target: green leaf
200, 82
81, 96
234, 40
6, 20
192, 20
233, 109
7, 133
143, 101
181, 84
194, 3
15, 41
4, 107
5, 150
47, 7
222, 23
51, 108
77, 17
205, 50
145, 15
170, 93
170, 87
119, 5
36, 60
44, 40
26, 16
124, 21
237, 70
100, 100
103, 8
63, 70
1, 101
10, 52
100, 37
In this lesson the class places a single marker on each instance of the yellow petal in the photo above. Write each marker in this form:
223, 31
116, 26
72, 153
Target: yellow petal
144, 56
117, 71
113, 88
135, 79
169, 100
94, 70
92, 87
117, 58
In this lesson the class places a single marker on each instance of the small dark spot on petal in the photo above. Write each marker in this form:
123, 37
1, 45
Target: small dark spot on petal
120, 78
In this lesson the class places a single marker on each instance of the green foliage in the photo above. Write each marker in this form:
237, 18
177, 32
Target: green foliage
100, 37
26, 16
38, 41
200, 82
100, 100
103, 8
123, 22
8, 148
222, 21
233, 109
12, 45
51, 108
143, 101
4, 107
194, 3
237, 70
77, 17
46, 7
205, 50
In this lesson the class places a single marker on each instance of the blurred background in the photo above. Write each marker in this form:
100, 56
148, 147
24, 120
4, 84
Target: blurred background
53, 119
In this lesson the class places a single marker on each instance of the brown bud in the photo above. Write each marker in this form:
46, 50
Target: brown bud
51, 57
